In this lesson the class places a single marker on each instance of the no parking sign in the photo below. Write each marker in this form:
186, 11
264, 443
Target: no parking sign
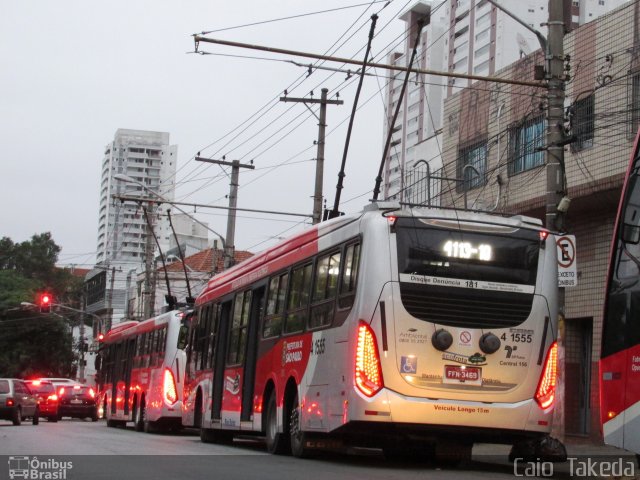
567, 264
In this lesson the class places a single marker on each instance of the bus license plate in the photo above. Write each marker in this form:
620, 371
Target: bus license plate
462, 374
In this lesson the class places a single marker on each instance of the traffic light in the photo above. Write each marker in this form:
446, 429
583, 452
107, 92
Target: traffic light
45, 303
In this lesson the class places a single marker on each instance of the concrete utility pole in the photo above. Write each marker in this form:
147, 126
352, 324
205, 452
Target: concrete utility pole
557, 203
235, 165
149, 292
317, 195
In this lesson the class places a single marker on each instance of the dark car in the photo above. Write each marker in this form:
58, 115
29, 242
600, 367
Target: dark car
47, 398
17, 402
77, 401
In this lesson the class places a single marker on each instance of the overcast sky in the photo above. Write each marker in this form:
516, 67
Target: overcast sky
73, 72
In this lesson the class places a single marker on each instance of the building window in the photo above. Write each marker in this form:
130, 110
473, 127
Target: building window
582, 123
472, 166
526, 140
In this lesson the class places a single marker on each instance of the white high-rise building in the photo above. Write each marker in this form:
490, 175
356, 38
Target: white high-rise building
148, 158
462, 36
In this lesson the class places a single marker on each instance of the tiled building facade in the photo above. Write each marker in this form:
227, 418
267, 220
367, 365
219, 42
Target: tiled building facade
499, 130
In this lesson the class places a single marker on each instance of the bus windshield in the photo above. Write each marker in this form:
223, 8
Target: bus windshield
497, 257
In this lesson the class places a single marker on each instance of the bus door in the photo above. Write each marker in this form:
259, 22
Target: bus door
226, 309
250, 357
116, 350
127, 364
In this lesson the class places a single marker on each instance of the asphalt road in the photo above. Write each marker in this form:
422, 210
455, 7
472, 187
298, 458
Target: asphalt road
75, 449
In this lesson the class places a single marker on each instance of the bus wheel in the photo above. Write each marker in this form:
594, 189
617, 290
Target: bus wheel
17, 416
138, 421
277, 443
298, 437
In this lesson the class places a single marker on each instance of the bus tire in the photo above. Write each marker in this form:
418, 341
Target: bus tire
277, 442
298, 437
16, 418
207, 435
138, 420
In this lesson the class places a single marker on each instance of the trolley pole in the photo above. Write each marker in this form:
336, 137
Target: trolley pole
322, 123
556, 202
229, 248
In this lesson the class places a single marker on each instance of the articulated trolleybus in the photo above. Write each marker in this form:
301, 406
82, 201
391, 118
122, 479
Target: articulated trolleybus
409, 329
620, 354
142, 372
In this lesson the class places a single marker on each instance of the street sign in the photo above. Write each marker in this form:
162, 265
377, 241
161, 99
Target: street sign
567, 264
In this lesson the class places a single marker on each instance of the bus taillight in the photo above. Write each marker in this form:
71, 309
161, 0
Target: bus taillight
546, 392
169, 387
368, 371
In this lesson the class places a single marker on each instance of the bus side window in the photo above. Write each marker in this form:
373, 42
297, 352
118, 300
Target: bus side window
298, 299
349, 276
324, 290
238, 333
272, 326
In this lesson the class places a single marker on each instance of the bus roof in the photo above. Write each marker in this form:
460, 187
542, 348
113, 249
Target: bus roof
282, 254
305, 243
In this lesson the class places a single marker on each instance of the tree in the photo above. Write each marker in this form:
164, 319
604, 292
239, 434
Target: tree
32, 343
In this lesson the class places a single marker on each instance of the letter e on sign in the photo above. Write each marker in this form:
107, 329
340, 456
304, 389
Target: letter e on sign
567, 264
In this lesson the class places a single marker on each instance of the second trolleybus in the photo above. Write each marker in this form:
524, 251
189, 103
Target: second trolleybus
409, 329
620, 353
142, 372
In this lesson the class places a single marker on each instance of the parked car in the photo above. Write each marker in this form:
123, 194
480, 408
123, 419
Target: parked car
47, 398
17, 402
77, 401
60, 382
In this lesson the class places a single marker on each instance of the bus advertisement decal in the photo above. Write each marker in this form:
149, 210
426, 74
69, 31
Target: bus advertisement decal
476, 359
465, 283
232, 384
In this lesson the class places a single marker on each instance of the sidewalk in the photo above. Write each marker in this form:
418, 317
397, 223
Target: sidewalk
585, 460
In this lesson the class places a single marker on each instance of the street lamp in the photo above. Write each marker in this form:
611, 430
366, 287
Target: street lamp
127, 179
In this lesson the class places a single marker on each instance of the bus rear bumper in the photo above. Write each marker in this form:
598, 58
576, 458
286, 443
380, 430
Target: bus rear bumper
478, 421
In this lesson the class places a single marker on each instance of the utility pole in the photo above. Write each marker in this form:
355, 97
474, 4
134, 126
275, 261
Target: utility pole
235, 165
557, 203
148, 293
317, 195
110, 301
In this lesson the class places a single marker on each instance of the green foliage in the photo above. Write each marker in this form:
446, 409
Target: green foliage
14, 288
34, 344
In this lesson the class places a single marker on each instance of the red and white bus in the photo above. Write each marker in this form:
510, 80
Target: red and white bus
620, 353
411, 329
142, 372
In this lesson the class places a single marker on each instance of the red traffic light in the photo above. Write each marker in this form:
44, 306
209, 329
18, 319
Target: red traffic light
45, 303
100, 337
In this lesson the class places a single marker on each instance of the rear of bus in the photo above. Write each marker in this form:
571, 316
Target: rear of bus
461, 344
